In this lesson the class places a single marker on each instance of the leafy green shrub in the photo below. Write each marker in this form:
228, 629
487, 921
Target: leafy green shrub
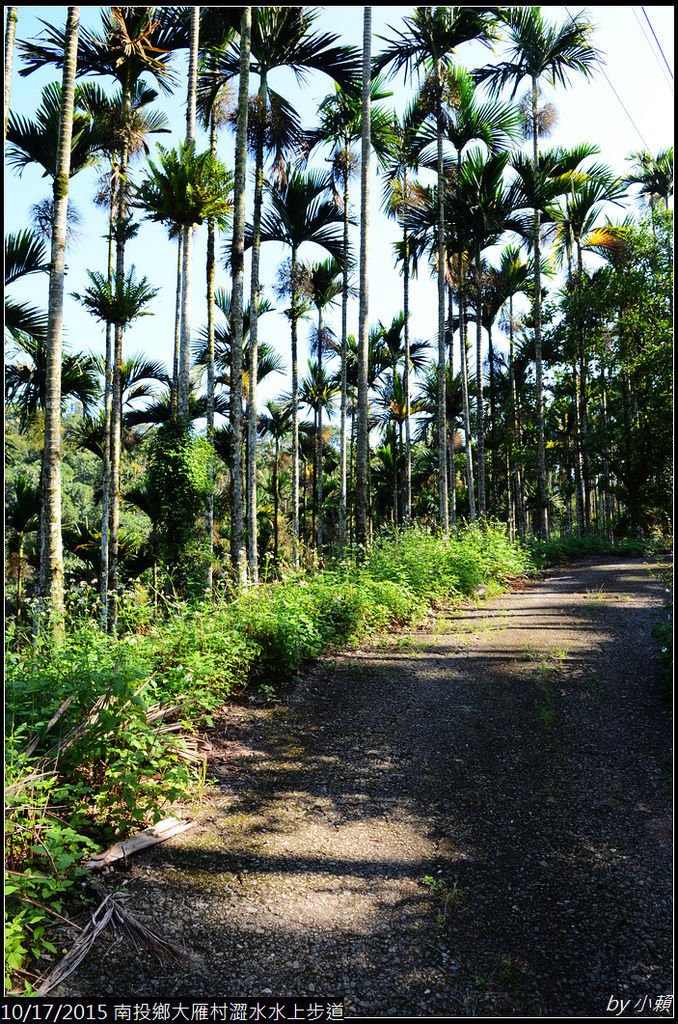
561, 549
42, 855
179, 483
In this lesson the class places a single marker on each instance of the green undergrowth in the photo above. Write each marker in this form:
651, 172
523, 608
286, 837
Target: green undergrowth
102, 731
563, 549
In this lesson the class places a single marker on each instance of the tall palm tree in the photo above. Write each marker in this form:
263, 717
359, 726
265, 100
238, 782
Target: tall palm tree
401, 194
427, 44
297, 213
121, 127
277, 423
536, 51
238, 550
575, 230
282, 37
340, 127
51, 586
654, 176
424, 219
318, 391
324, 283
117, 303
363, 439
217, 30
132, 42
560, 170
184, 189
514, 276
483, 204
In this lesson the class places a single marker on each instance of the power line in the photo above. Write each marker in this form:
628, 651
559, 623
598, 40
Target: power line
657, 41
618, 97
651, 47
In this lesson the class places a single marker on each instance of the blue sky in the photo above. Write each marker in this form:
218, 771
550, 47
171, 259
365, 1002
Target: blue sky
629, 106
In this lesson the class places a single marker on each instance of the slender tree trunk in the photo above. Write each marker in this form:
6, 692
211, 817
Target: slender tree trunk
19, 578
363, 313
295, 416
442, 403
465, 399
238, 553
319, 444
517, 481
343, 400
276, 505
106, 470
608, 504
51, 560
210, 276
451, 485
255, 291
542, 483
583, 402
482, 500
116, 401
407, 511
10, 32
494, 490
177, 324
187, 232
578, 477
184, 389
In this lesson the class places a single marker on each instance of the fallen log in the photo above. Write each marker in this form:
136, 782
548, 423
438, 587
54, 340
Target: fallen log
157, 833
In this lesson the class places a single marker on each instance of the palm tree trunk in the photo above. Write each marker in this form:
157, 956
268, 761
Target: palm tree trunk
10, 32
255, 289
343, 400
51, 560
177, 324
276, 505
578, 476
116, 399
19, 578
542, 483
465, 399
482, 500
187, 231
319, 441
106, 471
494, 488
407, 511
583, 404
238, 555
184, 388
363, 325
442, 403
396, 481
518, 497
210, 276
451, 485
295, 418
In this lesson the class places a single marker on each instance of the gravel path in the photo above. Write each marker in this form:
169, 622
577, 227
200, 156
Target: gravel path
514, 756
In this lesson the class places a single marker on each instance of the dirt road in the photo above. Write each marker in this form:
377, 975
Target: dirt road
471, 819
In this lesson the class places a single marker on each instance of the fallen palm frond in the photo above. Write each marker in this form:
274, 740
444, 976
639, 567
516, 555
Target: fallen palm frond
111, 915
158, 833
